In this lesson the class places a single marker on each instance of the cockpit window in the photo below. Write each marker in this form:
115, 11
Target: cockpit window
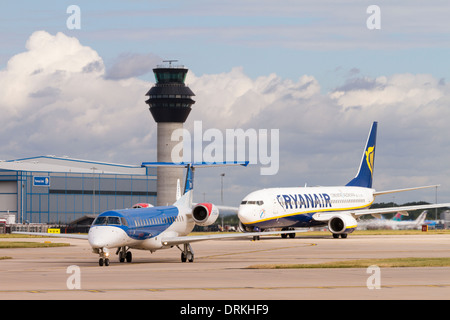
107, 221
114, 221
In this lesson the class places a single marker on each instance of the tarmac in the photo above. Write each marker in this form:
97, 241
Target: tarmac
220, 271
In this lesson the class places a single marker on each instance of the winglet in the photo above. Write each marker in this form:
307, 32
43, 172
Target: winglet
364, 177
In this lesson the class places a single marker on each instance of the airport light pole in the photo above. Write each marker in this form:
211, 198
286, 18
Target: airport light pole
221, 187
93, 190
436, 210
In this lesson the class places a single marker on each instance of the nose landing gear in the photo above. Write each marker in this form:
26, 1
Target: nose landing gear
104, 257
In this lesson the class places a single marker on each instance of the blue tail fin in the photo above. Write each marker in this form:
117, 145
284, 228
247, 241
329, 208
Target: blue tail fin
186, 198
189, 185
365, 174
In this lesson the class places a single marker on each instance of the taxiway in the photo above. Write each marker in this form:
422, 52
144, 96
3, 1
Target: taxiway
220, 270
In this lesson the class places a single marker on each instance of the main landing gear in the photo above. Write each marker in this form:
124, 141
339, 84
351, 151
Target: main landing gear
187, 254
285, 235
336, 235
124, 254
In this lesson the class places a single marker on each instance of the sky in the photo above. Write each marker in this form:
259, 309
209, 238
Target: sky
313, 70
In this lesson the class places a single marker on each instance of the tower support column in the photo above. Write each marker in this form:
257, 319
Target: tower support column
168, 177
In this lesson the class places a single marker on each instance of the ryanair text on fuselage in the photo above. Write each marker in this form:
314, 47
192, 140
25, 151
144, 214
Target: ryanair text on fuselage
305, 201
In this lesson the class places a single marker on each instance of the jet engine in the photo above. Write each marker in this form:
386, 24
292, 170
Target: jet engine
205, 214
342, 224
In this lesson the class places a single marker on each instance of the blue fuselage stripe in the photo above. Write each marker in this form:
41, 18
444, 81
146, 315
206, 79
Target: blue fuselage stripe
298, 221
144, 223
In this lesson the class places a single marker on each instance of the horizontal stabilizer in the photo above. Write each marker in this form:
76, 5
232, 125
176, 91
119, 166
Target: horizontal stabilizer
195, 164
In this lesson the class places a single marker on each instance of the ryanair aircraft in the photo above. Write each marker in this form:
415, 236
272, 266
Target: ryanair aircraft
339, 207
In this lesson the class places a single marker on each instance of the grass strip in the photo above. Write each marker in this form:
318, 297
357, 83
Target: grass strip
363, 263
27, 244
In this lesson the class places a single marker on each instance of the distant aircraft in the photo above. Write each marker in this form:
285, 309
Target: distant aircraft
153, 228
395, 223
339, 207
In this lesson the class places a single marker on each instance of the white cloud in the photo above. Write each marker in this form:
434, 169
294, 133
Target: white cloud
56, 98
322, 135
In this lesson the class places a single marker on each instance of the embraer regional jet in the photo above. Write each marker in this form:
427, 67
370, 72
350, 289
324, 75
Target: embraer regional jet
153, 228
336, 207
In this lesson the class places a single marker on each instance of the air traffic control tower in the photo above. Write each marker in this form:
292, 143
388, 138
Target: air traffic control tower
170, 104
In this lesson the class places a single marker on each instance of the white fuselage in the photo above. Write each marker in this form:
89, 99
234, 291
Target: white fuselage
294, 207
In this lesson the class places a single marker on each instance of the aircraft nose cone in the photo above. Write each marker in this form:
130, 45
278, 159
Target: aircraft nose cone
106, 237
244, 214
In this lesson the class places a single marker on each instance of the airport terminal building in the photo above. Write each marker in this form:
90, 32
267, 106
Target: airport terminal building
48, 189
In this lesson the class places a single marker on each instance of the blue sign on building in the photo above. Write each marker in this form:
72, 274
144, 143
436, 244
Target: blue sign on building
41, 181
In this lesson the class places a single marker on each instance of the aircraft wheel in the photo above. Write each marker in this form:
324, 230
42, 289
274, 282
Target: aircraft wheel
344, 236
129, 256
183, 257
335, 236
190, 257
292, 235
106, 262
100, 262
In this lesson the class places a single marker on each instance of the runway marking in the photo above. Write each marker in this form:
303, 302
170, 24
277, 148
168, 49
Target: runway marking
255, 251
230, 288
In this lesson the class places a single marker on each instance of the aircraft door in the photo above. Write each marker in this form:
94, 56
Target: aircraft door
275, 207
